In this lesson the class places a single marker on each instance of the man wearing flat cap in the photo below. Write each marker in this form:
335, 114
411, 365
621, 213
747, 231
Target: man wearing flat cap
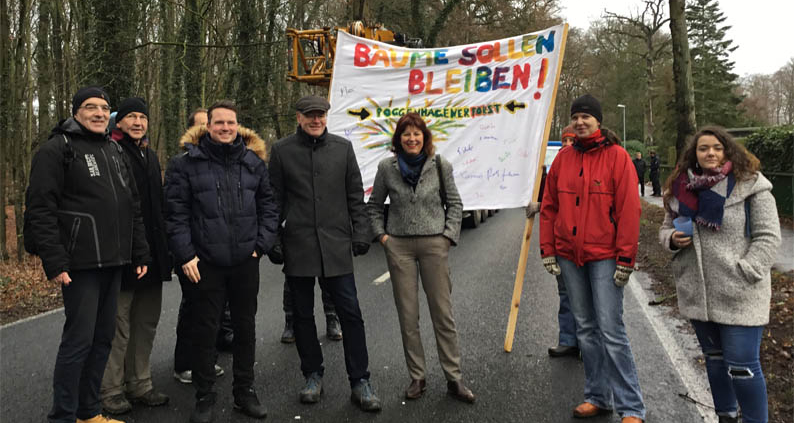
323, 224
128, 376
83, 219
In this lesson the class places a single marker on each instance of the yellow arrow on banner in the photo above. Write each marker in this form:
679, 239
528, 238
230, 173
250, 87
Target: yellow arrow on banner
362, 113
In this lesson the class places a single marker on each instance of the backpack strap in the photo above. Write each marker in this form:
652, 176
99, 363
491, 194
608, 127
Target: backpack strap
747, 229
68, 153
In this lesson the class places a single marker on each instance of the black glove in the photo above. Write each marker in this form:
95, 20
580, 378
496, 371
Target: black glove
360, 248
275, 254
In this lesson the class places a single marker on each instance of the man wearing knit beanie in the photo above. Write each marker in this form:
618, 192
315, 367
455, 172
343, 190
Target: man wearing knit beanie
87, 232
128, 378
567, 346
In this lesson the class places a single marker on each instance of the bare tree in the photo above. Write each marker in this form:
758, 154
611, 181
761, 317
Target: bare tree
646, 26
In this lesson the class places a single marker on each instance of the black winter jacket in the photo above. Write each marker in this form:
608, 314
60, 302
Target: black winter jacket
83, 206
639, 165
219, 205
146, 170
318, 186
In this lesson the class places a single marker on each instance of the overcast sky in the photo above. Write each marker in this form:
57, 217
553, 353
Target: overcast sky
763, 30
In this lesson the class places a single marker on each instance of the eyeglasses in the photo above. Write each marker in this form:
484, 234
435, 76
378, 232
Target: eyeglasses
94, 108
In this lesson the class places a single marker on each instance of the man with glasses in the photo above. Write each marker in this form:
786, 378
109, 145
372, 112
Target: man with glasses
318, 187
83, 219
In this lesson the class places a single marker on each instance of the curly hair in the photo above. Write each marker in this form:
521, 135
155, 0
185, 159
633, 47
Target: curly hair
745, 164
412, 119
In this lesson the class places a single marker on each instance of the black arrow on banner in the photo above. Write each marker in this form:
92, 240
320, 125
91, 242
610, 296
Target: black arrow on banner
363, 113
513, 105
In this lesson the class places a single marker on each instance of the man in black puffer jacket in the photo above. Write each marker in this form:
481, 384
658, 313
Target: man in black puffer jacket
83, 219
221, 218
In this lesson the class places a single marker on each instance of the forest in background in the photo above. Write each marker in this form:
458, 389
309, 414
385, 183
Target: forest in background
184, 54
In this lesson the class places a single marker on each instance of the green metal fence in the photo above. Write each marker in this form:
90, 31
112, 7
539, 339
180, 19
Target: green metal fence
782, 189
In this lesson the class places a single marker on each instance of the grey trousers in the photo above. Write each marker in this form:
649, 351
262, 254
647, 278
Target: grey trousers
128, 369
407, 259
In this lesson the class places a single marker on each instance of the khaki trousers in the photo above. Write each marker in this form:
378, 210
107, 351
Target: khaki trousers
128, 369
428, 255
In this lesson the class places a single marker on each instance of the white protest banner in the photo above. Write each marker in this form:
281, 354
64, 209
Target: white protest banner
486, 104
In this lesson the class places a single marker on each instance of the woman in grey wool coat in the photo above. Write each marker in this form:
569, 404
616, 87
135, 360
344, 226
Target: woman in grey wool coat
722, 226
420, 231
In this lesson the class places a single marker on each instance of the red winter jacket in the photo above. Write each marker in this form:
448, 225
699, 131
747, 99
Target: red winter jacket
591, 206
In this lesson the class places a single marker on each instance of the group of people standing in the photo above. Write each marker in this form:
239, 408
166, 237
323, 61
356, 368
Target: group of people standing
722, 226
109, 232
653, 172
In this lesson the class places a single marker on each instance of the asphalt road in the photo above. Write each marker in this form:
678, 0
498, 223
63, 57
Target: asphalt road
525, 385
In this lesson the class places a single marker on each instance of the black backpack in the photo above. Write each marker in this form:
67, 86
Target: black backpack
27, 230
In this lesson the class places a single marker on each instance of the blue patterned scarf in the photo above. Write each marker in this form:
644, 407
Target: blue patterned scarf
702, 197
411, 167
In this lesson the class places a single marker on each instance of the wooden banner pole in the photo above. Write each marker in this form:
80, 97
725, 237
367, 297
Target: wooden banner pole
522, 258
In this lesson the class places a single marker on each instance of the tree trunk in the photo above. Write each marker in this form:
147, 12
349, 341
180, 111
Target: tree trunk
648, 128
682, 75
6, 55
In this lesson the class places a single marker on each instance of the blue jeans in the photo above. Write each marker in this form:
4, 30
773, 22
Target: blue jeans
565, 317
734, 369
597, 305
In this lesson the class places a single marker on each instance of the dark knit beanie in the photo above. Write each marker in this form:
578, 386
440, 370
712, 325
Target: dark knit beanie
132, 104
84, 94
587, 104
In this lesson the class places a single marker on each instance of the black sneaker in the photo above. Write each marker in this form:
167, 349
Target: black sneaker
288, 336
311, 392
203, 411
117, 404
364, 395
150, 398
333, 330
247, 403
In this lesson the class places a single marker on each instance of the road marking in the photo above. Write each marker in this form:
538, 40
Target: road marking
380, 279
27, 319
693, 379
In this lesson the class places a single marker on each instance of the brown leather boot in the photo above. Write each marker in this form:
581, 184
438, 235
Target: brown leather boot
585, 410
415, 389
459, 391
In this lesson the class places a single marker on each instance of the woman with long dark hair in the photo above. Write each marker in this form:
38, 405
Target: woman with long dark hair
722, 226
424, 222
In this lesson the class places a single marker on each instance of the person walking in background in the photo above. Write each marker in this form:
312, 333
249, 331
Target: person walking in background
128, 374
639, 166
567, 346
589, 228
222, 217
721, 224
424, 222
654, 174
317, 182
81, 185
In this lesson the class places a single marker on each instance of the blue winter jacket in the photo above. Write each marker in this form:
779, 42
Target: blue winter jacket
219, 204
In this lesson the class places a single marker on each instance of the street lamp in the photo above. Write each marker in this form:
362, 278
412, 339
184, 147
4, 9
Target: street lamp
623, 106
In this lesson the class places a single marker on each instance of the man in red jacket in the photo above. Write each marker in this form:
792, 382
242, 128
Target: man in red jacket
589, 227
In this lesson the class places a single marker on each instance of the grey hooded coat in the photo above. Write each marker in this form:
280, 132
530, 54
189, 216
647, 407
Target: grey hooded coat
724, 275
